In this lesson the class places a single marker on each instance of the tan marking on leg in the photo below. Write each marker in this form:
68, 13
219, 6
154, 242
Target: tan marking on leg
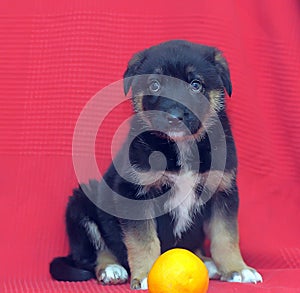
199, 253
224, 247
143, 248
104, 258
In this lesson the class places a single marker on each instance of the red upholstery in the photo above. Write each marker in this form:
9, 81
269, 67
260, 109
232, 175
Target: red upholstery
55, 55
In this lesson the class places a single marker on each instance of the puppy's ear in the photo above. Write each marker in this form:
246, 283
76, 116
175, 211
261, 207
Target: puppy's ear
132, 69
222, 67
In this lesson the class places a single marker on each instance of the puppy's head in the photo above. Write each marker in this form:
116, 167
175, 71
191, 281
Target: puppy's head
180, 84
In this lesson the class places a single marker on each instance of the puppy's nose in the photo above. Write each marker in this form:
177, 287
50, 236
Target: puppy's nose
172, 120
175, 117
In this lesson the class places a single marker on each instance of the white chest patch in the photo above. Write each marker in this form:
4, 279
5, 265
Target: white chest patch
183, 202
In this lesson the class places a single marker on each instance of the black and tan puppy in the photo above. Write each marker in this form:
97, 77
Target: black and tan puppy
179, 161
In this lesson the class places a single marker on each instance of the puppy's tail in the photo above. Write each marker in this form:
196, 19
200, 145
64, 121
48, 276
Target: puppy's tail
64, 269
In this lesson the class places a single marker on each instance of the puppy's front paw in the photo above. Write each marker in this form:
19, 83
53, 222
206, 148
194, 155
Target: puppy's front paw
246, 275
213, 271
112, 274
139, 284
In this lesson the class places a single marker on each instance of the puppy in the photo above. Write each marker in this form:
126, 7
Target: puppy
173, 184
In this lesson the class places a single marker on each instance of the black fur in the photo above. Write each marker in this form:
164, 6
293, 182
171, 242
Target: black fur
170, 59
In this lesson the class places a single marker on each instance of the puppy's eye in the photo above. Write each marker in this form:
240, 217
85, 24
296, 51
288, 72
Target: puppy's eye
154, 86
196, 86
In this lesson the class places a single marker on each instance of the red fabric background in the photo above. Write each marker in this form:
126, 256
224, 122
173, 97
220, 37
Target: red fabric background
54, 56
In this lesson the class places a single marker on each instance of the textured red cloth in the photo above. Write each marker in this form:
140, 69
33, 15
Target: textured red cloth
54, 56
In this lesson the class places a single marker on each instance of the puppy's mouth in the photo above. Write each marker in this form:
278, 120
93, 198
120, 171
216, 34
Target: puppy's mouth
175, 123
179, 132
176, 134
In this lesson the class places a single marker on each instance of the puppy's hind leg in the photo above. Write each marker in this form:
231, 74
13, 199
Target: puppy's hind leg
84, 239
84, 235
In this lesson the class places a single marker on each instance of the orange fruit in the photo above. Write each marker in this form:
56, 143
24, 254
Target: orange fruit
178, 271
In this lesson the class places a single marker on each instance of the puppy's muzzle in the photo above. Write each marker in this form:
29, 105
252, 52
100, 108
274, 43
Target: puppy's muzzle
175, 121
